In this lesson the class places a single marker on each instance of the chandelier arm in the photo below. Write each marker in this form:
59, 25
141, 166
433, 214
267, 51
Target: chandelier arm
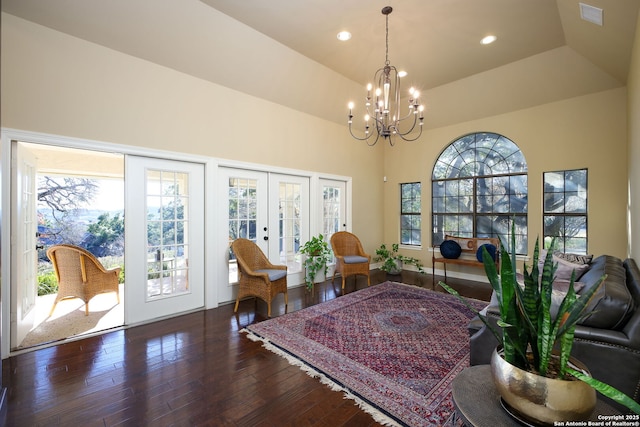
379, 120
392, 141
410, 139
415, 120
374, 141
357, 137
409, 114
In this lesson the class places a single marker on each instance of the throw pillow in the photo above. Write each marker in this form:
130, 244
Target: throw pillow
490, 248
565, 268
575, 258
450, 249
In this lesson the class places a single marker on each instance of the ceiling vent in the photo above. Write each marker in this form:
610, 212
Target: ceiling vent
591, 14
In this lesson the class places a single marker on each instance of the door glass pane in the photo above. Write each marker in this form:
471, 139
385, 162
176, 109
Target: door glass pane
29, 228
290, 222
243, 205
167, 207
331, 209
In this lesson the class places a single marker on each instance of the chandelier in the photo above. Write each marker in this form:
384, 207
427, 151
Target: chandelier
383, 104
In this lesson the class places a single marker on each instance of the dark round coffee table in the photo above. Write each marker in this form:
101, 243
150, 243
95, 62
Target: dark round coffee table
477, 401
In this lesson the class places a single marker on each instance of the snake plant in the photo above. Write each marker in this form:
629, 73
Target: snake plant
526, 321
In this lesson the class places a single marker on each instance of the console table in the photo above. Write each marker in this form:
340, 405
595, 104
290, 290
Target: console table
477, 401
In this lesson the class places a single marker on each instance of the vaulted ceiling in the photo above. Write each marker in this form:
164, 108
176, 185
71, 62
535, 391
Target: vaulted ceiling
544, 50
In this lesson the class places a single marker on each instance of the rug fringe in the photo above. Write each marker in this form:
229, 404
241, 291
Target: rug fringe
377, 415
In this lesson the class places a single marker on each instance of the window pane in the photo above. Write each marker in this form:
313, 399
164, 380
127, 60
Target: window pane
451, 187
452, 204
553, 202
438, 205
465, 187
437, 189
576, 245
465, 204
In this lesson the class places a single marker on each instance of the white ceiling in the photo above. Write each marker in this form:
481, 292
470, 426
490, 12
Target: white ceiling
555, 53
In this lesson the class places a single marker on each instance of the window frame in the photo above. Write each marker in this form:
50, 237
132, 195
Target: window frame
561, 240
460, 174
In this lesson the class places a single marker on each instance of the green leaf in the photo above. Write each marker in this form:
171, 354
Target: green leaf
546, 337
492, 275
577, 309
606, 390
506, 286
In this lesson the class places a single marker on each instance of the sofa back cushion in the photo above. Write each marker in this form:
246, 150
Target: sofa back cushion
612, 304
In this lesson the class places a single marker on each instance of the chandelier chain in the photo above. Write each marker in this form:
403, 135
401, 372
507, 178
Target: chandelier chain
386, 53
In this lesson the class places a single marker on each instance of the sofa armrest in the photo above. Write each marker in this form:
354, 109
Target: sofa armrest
615, 364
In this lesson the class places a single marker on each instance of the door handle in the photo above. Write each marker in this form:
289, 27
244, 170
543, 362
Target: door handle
266, 237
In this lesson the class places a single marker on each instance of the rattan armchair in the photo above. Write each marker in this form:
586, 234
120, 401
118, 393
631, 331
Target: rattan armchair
351, 259
81, 275
257, 276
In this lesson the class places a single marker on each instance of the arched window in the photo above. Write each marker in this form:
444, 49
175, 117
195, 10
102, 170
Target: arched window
479, 186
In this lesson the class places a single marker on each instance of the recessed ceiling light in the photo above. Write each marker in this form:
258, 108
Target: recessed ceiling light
402, 73
488, 40
343, 36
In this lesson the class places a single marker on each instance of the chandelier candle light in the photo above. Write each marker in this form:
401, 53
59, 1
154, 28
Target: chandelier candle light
385, 101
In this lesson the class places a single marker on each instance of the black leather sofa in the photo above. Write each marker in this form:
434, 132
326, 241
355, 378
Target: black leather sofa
608, 340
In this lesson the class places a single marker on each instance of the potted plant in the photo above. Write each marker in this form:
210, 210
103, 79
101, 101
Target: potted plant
534, 347
392, 261
318, 255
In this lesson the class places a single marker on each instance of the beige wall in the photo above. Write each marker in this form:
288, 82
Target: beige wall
57, 84
634, 148
585, 132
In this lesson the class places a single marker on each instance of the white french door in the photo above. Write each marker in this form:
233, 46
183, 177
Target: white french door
270, 209
25, 283
333, 202
289, 217
164, 205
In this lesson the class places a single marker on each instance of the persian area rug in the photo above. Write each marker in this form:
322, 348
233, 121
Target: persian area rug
393, 348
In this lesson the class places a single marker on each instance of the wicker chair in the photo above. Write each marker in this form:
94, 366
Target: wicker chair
257, 276
351, 259
80, 275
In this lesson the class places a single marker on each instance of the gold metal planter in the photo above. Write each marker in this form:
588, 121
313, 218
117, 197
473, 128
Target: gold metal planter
539, 400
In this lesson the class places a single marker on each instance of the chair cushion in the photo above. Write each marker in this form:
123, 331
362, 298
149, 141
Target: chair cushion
355, 259
450, 249
273, 274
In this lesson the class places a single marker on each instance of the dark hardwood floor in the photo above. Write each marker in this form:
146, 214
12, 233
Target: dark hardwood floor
195, 369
